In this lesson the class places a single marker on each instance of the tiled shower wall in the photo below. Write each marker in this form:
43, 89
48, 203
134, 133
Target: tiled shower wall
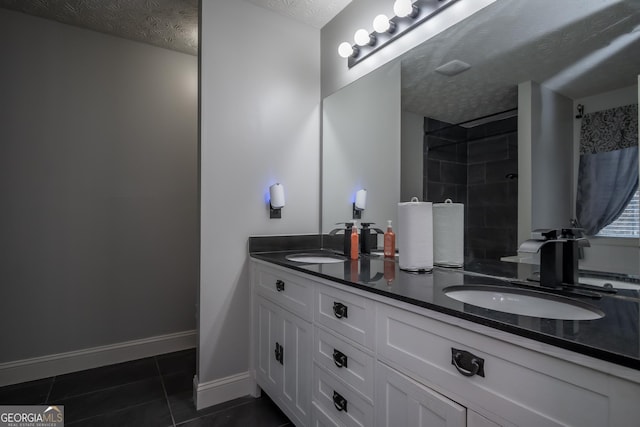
477, 166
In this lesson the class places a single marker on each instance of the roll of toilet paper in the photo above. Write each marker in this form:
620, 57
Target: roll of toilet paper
448, 234
276, 196
415, 235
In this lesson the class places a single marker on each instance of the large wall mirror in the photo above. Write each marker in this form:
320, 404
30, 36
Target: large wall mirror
490, 113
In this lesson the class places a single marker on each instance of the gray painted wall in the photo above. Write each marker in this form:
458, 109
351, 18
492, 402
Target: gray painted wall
260, 100
98, 179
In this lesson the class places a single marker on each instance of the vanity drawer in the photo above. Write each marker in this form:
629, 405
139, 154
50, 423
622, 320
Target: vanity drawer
530, 389
289, 291
354, 366
321, 419
339, 401
349, 315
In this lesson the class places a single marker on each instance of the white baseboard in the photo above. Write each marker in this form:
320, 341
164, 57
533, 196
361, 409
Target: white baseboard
63, 363
221, 390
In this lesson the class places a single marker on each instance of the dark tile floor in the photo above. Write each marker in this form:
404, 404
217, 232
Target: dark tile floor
156, 391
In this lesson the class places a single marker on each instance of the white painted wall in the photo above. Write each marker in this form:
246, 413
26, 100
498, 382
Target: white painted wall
360, 14
411, 156
361, 149
98, 182
552, 159
545, 159
260, 124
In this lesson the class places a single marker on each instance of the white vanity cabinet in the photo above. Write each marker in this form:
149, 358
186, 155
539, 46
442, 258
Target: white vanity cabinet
344, 360
402, 401
518, 386
282, 343
355, 358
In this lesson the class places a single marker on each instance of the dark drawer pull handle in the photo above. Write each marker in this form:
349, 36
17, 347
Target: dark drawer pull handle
339, 402
466, 363
340, 310
279, 352
340, 359
279, 285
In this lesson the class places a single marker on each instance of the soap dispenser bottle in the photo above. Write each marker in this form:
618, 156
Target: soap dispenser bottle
389, 242
354, 241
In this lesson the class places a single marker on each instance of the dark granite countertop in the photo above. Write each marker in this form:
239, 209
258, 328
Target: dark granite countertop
614, 338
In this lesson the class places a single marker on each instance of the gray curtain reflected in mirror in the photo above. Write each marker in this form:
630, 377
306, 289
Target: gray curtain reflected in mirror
608, 171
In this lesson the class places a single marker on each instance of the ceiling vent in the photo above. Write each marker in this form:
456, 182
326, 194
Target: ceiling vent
452, 68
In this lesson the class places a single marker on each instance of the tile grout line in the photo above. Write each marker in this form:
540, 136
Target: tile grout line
217, 412
85, 393
53, 380
164, 389
80, 420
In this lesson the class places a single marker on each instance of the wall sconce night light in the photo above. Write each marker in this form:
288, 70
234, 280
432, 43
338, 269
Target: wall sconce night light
276, 200
359, 204
409, 14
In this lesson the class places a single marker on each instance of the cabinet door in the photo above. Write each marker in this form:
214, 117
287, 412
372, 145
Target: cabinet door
296, 382
269, 336
476, 420
404, 402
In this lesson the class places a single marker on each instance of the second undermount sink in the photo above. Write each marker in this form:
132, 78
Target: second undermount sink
524, 302
316, 258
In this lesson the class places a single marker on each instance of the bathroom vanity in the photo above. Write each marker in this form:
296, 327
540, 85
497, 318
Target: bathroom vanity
362, 343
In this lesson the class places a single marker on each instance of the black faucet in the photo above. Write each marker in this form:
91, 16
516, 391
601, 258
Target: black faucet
559, 251
348, 227
367, 238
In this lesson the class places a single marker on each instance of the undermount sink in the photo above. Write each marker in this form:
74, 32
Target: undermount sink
316, 258
524, 302
615, 284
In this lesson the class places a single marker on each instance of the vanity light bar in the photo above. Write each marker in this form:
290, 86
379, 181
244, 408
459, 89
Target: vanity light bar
409, 14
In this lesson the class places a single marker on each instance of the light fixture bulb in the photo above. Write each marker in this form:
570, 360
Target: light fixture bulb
381, 24
404, 8
362, 37
345, 49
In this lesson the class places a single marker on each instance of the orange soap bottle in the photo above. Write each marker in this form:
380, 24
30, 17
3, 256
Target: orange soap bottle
389, 242
354, 241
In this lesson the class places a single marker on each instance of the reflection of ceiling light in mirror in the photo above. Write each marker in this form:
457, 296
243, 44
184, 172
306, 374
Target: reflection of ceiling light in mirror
381, 24
194, 35
453, 68
362, 37
404, 8
592, 60
345, 50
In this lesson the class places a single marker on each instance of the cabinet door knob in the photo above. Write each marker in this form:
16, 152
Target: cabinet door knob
279, 353
339, 402
466, 363
340, 310
339, 358
279, 285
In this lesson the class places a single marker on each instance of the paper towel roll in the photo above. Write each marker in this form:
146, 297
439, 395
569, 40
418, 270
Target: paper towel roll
448, 234
415, 235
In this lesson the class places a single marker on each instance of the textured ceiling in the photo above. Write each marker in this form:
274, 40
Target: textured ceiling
172, 24
565, 45
315, 13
